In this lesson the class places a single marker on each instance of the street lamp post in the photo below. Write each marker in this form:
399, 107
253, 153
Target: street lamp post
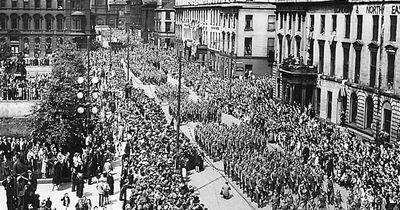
179, 108
127, 59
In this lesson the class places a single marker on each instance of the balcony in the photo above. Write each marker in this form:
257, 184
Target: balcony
292, 65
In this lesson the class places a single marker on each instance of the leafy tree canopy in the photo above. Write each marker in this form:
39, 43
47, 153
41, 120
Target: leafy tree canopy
55, 119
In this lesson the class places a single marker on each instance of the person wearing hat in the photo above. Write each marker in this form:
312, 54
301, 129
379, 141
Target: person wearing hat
8, 185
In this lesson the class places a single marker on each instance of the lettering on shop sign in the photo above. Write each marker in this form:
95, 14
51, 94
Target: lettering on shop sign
374, 9
396, 9
342, 9
290, 8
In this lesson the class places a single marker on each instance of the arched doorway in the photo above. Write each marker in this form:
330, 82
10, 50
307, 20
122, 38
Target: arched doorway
386, 118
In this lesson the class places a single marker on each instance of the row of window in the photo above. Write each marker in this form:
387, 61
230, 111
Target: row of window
36, 4
346, 59
26, 22
216, 18
359, 26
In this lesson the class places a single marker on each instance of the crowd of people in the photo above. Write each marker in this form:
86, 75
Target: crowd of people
154, 173
29, 88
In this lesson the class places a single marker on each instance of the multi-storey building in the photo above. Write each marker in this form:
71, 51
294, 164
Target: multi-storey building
342, 59
147, 24
133, 14
233, 36
103, 14
36, 27
118, 7
164, 24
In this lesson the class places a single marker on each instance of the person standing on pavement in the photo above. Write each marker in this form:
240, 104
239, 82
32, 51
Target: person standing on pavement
225, 191
80, 185
100, 190
8, 184
66, 201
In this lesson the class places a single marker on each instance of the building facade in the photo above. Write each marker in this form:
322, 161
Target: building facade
37, 27
147, 25
133, 15
164, 24
341, 58
233, 37
103, 13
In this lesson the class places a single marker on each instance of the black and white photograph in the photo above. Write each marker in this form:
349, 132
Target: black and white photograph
199, 105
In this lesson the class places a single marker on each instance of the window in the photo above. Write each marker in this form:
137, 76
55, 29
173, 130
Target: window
26, 4
290, 21
167, 27
311, 22
311, 52
317, 108
3, 3
393, 27
372, 68
375, 27
346, 59
14, 3
369, 110
354, 101
299, 23
60, 25
298, 39
390, 71
289, 45
347, 29
280, 48
333, 58
278, 92
359, 26
48, 4
270, 49
329, 111
334, 22
387, 117
271, 22
59, 4
48, 23
37, 3
322, 24
3, 23
25, 22
249, 22
14, 21
281, 21
36, 22
168, 15
357, 65
321, 44
248, 42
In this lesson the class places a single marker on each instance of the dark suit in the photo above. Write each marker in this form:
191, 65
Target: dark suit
9, 187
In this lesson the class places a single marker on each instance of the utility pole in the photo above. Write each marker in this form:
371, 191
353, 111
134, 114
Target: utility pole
178, 122
127, 59
88, 86
382, 29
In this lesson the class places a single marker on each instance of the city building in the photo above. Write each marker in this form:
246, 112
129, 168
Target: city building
103, 14
133, 15
118, 7
147, 24
341, 58
164, 24
233, 37
37, 27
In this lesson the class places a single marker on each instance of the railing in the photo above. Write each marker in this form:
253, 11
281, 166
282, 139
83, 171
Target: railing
296, 65
26, 94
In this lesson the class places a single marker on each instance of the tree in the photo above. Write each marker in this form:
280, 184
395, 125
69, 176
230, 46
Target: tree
55, 119
5, 51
